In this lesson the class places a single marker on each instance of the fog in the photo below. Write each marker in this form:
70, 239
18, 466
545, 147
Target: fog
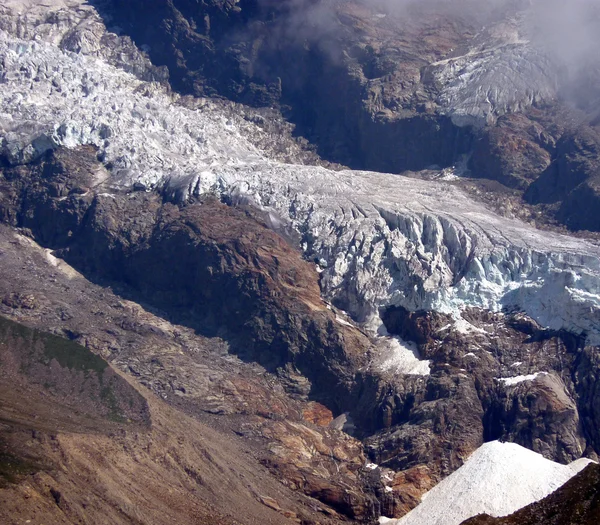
568, 31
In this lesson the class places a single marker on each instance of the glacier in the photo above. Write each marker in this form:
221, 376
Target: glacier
378, 239
499, 71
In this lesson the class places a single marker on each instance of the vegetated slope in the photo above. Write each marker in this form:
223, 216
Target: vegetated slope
59, 370
577, 502
69, 452
498, 478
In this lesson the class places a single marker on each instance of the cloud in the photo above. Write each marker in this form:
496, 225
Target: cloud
568, 31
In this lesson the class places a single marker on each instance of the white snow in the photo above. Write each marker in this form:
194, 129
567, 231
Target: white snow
342, 321
498, 479
464, 327
400, 357
510, 381
499, 72
381, 239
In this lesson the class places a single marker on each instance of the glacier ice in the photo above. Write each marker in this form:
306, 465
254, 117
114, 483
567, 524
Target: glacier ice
379, 239
499, 71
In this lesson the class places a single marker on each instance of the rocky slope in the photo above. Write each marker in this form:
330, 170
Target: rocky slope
216, 422
192, 244
72, 454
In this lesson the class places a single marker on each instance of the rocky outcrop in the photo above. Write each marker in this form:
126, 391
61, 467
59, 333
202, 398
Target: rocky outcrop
502, 379
228, 275
217, 268
515, 152
570, 183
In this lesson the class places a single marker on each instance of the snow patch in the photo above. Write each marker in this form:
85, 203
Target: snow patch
400, 357
464, 327
498, 479
342, 321
510, 381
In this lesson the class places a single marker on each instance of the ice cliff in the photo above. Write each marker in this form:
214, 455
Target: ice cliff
378, 239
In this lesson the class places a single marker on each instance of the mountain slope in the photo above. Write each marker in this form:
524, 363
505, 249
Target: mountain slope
70, 454
396, 86
200, 249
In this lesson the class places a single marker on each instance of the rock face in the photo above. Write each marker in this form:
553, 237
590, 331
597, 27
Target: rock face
575, 503
570, 183
199, 257
491, 375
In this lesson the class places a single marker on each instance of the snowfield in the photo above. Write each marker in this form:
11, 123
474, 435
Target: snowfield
500, 72
498, 479
380, 239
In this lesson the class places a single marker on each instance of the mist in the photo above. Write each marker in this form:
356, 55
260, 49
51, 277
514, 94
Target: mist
567, 31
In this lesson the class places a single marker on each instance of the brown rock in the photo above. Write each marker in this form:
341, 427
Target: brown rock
317, 414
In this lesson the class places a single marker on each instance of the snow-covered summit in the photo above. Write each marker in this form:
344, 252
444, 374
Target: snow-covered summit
381, 239
498, 479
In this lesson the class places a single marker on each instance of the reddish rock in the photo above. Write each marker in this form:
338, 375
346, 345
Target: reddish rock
317, 414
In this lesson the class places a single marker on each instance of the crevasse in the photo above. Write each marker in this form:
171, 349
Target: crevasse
379, 239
